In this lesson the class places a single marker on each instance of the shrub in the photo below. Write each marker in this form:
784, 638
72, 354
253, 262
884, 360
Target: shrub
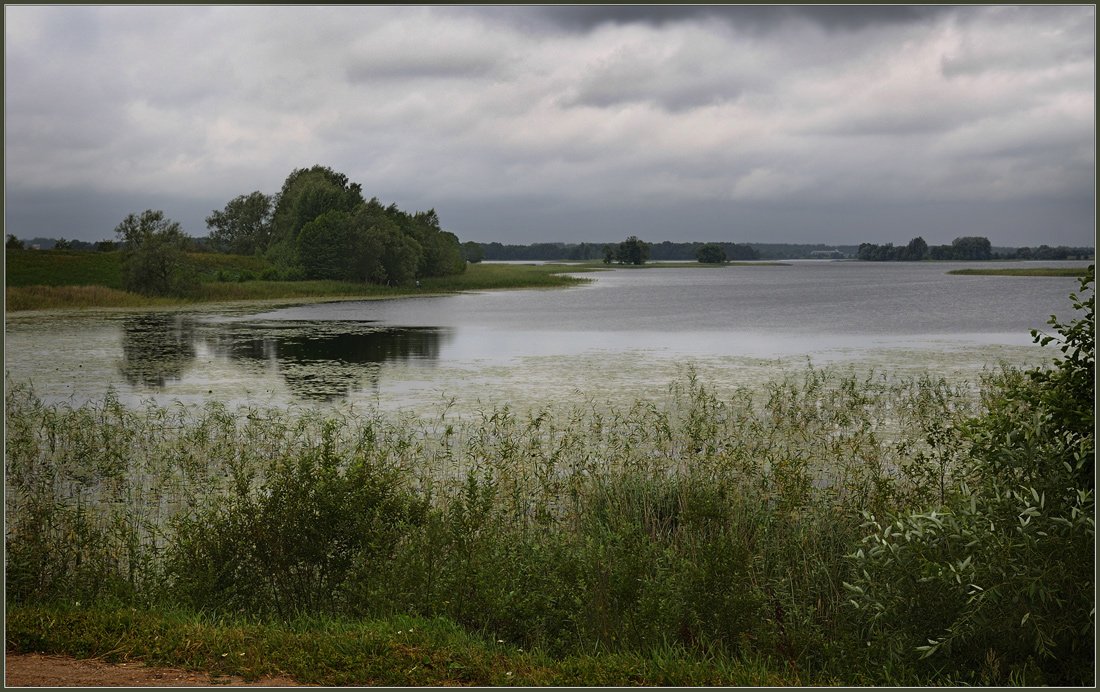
995, 583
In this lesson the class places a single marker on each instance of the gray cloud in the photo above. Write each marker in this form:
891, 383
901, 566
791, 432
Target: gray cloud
834, 123
583, 18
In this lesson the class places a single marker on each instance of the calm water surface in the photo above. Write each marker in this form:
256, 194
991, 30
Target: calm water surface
620, 336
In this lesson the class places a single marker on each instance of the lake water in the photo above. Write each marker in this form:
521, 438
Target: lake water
621, 336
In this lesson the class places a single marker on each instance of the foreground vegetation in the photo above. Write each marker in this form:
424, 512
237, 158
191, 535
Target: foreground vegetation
827, 528
398, 650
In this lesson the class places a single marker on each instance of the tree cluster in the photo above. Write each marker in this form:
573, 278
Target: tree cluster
319, 226
665, 250
711, 253
965, 248
1045, 252
630, 251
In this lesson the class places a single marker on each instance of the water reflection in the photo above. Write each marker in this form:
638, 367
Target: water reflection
156, 349
318, 361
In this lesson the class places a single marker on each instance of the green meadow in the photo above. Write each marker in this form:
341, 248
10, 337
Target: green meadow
57, 279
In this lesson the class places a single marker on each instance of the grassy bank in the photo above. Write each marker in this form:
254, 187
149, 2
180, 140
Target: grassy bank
332, 652
1023, 271
53, 291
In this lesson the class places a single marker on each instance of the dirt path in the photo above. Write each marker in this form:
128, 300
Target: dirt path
40, 670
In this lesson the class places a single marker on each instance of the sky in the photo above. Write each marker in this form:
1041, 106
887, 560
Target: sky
521, 124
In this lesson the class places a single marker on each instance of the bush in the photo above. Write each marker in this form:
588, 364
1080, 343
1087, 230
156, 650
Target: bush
284, 545
995, 583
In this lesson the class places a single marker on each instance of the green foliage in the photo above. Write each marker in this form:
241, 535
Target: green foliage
13, 243
632, 251
308, 193
711, 253
1067, 391
286, 544
473, 252
396, 256
393, 651
693, 522
153, 259
319, 227
916, 250
245, 225
991, 581
328, 247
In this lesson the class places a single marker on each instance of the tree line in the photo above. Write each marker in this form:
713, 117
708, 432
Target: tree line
965, 248
666, 250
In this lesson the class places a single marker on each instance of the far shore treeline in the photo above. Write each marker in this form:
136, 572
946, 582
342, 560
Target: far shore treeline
663, 251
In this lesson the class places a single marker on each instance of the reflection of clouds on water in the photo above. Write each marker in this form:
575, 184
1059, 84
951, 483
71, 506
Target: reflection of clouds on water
318, 361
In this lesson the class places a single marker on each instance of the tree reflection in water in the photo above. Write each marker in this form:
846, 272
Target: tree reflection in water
318, 360
156, 349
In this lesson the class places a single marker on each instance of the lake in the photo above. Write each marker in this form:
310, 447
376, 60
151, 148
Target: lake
621, 336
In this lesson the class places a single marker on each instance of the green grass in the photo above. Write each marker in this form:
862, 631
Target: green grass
338, 652
62, 268
42, 284
1023, 271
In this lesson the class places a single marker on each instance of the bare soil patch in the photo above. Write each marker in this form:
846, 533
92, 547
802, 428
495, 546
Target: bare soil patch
44, 670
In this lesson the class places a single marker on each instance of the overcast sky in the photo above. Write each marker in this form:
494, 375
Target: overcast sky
524, 124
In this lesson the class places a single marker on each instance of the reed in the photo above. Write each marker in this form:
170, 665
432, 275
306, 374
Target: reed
706, 522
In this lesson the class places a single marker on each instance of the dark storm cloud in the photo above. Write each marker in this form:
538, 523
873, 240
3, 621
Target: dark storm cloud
789, 123
583, 18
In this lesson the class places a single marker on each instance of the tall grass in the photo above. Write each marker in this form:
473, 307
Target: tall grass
715, 523
18, 298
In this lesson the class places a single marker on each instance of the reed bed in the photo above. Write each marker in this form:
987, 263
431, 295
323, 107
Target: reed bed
720, 523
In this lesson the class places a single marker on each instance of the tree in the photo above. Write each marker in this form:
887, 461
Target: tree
306, 194
244, 226
14, 243
917, 249
711, 253
473, 252
153, 260
398, 254
971, 248
633, 251
328, 247
608, 254
63, 244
